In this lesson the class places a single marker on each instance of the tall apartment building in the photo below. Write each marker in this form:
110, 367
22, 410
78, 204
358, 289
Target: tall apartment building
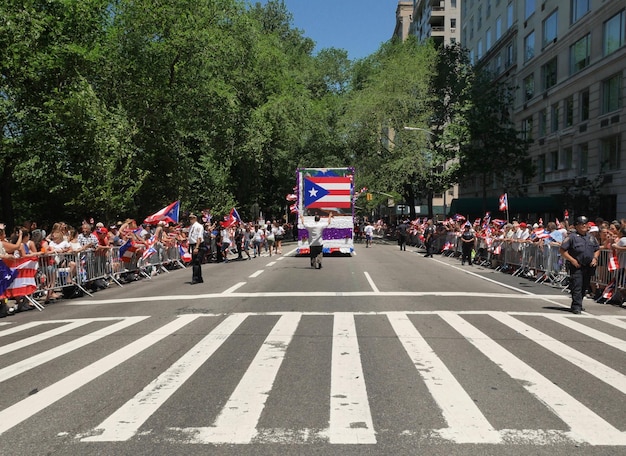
436, 19
568, 60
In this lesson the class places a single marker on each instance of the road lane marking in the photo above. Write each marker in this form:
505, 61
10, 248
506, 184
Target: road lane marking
466, 424
46, 356
238, 419
24, 409
233, 288
126, 421
350, 416
256, 274
585, 425
371, 282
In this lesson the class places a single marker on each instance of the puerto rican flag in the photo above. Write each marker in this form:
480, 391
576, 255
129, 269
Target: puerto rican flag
167, 214
613, 262
127, 251
20, 281
327, 192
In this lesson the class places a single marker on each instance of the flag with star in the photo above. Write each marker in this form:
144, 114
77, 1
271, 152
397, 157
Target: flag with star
327, 191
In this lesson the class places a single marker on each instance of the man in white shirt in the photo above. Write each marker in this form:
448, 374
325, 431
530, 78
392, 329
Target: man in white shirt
195, 239
316, 243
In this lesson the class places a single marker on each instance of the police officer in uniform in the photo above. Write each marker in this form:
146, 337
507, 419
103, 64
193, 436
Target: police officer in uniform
581, 250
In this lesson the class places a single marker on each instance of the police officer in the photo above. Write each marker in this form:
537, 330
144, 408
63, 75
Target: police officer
581, 250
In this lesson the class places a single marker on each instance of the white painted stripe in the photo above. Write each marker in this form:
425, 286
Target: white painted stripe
371, 282
297, 294
466, 424
16, 329
615, 321
350, 415
44, 357
619, 344
238, 419
602, 372
24, 409
8, 348
233, 288
584, 424
271, 263
125, 422
256, 274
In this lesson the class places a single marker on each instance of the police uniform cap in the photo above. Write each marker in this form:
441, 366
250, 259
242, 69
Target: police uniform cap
581, 220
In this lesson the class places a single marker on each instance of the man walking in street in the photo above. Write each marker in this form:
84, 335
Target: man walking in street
316, 243
429, 238
581, 250
195, 238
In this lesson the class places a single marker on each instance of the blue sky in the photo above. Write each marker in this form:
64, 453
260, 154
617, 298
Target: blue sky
358, 26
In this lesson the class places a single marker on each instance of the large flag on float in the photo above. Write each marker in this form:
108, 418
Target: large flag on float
167, 214
326, 191
20, 279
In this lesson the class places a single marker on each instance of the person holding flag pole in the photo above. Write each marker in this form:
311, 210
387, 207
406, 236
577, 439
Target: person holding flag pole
316, 243
504, 205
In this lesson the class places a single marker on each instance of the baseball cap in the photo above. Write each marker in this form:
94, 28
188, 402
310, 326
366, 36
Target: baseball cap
523, 225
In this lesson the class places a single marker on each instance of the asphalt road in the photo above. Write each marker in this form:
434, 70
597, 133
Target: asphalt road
385, 352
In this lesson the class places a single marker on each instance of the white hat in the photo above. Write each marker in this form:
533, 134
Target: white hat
593, 229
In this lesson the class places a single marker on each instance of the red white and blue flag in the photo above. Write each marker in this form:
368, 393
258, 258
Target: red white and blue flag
232, 219
19, 280
328, 192
504, 203
127, 251
613, 262
167, 214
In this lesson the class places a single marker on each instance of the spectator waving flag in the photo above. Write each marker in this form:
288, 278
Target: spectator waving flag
504, 203
7, 276
127, 251
327, 192
23, 271
232, 219
613, 262
167, 214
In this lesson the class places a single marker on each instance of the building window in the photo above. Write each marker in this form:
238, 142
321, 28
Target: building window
550, 28
453, 23
613, 35
452, 40
567, 158
583, 159
488, 13
471, 28
498, 28
569, 111
548, 74
529, 46
480, 49
527, 128
541, 167
509, 56
542, 122
479, 13
610, 151
509, 16
612, 94
488, 40
554, 117
529, 86
579, 54
529, 8
584, 105
579, 9
554, 160
453, 4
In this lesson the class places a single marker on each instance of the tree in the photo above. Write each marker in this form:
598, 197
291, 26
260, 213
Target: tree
390, 91
489, 144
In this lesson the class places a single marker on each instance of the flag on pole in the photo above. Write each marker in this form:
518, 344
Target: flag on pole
613, 262
504, 203
7, 276
20, 281
232, 219
127, 251
167, 214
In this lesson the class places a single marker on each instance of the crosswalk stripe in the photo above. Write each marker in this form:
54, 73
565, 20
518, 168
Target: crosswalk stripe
466, 423
584, 424
125, 422
8, 348
24, 409
37, 360
619, 344
350, 416
238, 419
602, 372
